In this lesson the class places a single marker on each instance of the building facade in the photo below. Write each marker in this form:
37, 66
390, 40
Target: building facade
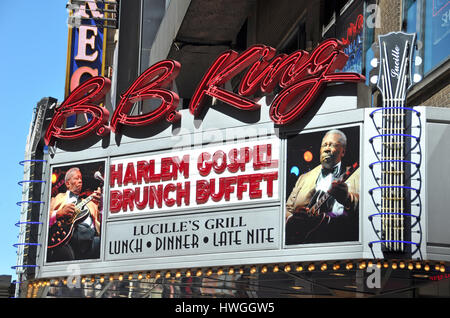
197, 198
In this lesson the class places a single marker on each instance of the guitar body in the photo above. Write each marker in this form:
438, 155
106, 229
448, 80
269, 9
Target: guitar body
61, 232
301, 226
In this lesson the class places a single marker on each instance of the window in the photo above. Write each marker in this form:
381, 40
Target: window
430, 19
296, 41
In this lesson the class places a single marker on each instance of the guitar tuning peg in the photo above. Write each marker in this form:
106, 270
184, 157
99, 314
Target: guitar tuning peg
417, 78
374, 79
375, 47
374, 62
418, 61
419, 45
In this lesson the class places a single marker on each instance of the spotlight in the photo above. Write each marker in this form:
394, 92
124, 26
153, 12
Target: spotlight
308, 156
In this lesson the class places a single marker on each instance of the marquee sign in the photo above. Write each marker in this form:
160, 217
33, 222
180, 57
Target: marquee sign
300, 75
204, 177
192, 235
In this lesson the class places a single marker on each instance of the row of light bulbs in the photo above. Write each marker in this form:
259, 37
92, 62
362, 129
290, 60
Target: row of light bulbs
410, 265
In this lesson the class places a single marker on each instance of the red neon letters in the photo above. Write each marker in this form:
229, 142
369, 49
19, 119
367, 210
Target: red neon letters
353, 30
82, 101
151, 84
241, 173
300, 75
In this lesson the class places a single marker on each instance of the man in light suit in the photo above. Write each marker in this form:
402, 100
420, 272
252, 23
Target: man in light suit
85, 241
341, 208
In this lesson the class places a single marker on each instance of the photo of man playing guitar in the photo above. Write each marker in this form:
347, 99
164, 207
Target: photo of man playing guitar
323, 204
74, 221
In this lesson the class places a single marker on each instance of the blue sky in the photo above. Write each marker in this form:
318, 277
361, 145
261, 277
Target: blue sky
33, 52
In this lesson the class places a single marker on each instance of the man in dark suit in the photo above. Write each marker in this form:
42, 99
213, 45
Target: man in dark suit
85, 241
342, 207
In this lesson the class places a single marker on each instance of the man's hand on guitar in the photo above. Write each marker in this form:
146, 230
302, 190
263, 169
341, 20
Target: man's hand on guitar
339, 190
305, 210
97, 196
66, 211
300, 210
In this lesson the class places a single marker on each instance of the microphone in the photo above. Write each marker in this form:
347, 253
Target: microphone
98, 176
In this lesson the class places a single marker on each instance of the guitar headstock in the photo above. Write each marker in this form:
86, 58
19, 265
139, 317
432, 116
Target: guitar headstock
395, 67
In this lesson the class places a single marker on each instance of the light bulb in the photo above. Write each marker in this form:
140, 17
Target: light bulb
418, 60
374, 62
374, 79
417, 78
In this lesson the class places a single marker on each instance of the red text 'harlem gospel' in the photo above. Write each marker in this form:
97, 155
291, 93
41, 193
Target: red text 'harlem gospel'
300, 75
196, 178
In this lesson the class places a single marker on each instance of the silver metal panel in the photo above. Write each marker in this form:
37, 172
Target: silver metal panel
419, 182
215, 127
438, 172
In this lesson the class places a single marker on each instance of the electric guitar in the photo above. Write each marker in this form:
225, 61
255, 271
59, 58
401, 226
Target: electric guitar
395, 78
301, 224
62, 230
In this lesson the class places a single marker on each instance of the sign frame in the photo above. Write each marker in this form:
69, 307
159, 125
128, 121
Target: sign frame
188, 136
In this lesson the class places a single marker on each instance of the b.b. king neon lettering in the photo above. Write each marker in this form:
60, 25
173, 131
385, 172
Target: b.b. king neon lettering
151, 84
83, 100
300, 75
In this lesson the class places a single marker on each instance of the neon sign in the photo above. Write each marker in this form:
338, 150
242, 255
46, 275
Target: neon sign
300, 75
353, 30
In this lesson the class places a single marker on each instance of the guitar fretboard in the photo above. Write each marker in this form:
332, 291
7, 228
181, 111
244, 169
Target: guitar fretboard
393, 155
